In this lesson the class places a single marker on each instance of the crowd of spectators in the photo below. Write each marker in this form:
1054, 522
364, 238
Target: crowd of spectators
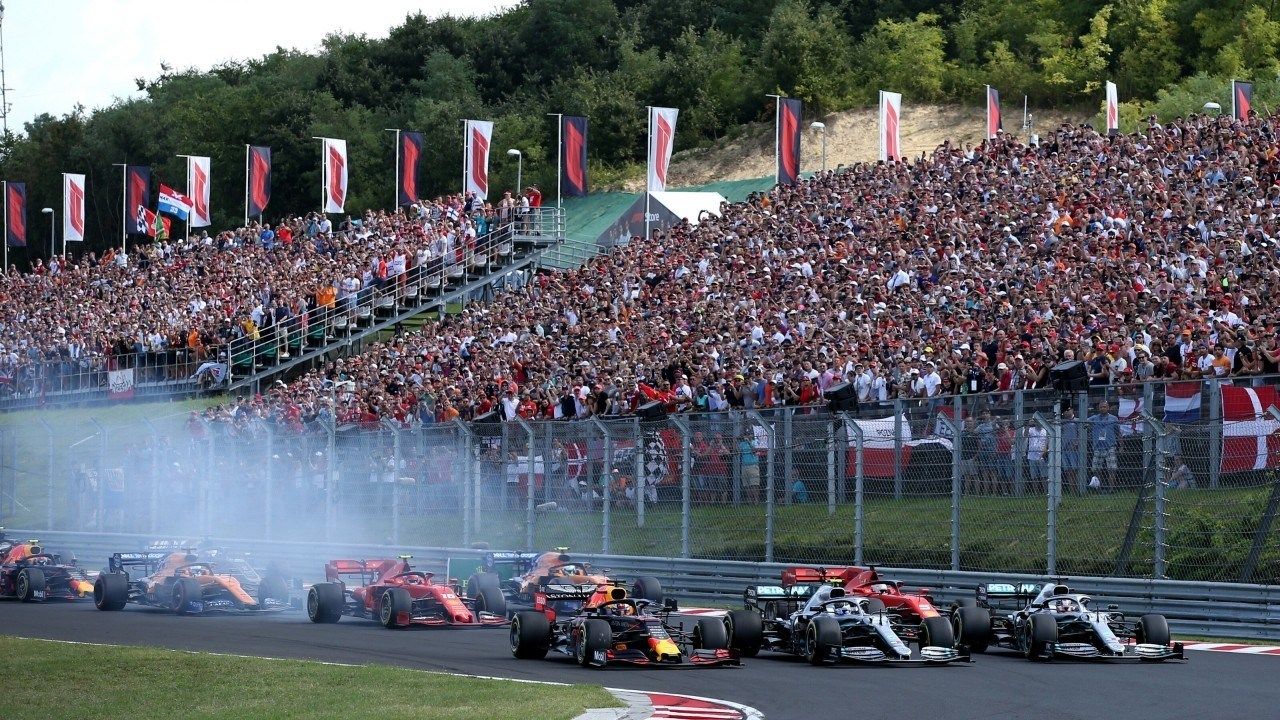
973, 269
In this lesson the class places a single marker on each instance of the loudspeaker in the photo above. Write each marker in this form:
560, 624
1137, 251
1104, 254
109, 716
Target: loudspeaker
489, 417
841, 397
1070, 376
652, 410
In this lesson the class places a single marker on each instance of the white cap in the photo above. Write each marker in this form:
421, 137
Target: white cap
1094, 482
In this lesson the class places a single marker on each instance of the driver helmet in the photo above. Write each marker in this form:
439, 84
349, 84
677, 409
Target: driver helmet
842, 608
566, 570
621, 609
1063, 605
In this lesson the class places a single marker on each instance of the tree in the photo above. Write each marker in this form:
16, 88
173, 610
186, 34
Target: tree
905, 56
1076, 70
1149, 55
808, 54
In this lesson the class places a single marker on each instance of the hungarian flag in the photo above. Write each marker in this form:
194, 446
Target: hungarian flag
994, 124
573, 155
1250, 435
335, 174
408, 153
890, 130
1241, 100
476, 163
662, 137
15, 214
137, 192
198, 191
172, 202
258, 180
790, 110
72, 207
1113, 109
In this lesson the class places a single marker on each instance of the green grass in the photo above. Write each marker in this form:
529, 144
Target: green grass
115, 681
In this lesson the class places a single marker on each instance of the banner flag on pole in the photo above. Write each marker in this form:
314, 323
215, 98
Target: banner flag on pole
890, 127
137, 188
173, 203
1241, 100
198, 191
410, 152
662, 136
573, 155
994, 124
1113, 109
790, 112
479, 134
15, 228
259, 179
72, 207
335, 174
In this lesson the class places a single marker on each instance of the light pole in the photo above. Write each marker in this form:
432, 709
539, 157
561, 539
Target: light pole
821, 128
49, 212
519, 169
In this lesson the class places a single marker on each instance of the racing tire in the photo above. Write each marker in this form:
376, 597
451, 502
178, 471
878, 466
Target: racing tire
491, 600
1041, 631
648, 588
395, 600
272, 587
530, 635
29, 582
185, 591
875, 606
746, 631
110, 591
325, 603
936, 632
971, 627
1153, 629
710, 634
966, 602
483, 581
822, 634
596, 636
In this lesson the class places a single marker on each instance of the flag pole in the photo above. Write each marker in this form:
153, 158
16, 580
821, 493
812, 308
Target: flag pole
246, 185
4, 187
124, 206
649, 169
777, 137
559, 152
188, 159
466, 152
395, 185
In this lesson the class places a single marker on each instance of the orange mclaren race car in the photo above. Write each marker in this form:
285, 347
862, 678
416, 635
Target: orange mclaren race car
181, 582
548, 580
30, 574
395, 595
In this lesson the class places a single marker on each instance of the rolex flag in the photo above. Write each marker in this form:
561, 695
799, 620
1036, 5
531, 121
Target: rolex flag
409, 152
662, 136
790, 111
993, 113
573, 155
258, 180
198, 190
335, 174
15, 214
172, 202
890, 130
476, 160
72, 207
1113, 109
137, 193
1241, 100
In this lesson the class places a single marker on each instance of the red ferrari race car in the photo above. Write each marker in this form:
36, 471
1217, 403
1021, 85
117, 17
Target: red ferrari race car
395, 595
910, 610
30, 574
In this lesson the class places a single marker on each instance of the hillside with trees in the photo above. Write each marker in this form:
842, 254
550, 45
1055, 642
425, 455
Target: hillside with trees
713, 59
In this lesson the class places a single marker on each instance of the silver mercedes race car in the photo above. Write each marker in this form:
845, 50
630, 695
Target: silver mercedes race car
1044, 622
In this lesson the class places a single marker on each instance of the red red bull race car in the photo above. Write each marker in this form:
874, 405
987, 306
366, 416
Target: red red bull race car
395, 595
30, 574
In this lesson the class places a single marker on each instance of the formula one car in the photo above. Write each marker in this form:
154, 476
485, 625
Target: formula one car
826, 625
30, 574
395, 595
180, 581
612, 628
1050, 621
549, 579
908, 610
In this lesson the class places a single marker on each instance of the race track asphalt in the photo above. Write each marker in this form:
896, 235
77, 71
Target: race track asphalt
995, 687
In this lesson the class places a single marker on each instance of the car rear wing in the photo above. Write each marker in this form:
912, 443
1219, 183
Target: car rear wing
519, 562
1011, 594
793, 596
816, 576
366, 570
150, 561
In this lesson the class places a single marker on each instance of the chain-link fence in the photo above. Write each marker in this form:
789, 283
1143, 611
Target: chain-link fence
1025, 482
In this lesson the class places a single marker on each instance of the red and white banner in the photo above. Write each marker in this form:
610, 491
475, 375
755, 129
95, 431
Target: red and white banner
120, 384
662, 137
1250, 435
1113, 109
479, 134
72, 207
890, 132
994, 125
198, 190
335, 175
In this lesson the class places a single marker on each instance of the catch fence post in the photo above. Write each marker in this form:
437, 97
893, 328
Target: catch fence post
899, 407
769, 484
788, 442
1083, 438
268, 501
606, 483
954, 429
332, 478
99, 497
48, 520
831, 467
210, 477
639, 482
1019, 443
530, 481
465, 455
154, 502
735, 454
1162, 481
686, 480
1053, 431
855, 432
1215, 432
396, 459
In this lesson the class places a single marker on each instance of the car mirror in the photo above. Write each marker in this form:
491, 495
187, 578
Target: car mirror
669, 604
1113, 608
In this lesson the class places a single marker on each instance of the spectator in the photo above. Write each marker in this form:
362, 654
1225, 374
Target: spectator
1104, 431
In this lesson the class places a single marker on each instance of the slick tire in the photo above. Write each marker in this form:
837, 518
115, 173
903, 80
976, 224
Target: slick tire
648, 588
30, 581
971, 626
746, 631
1153, 629
110, 591
875, 606
1041, 631
596, 635
491, 600
710, 634
394, 602
821, 636
936, 632
482, 581
273, 587
185, 592
324, 603
530, 635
